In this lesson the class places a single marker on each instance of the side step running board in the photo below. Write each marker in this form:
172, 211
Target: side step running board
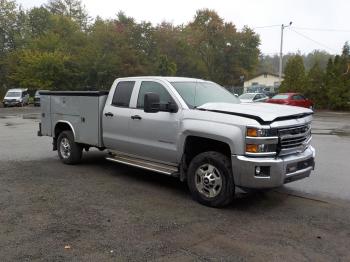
144, 164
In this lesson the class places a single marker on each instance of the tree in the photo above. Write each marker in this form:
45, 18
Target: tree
39, 21
294, 75
42, 70
337, 80
225, 53
12, 27
165, 67
70, 8
315, 86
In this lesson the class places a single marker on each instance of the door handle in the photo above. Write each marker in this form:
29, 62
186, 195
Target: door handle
136, 117
109, 114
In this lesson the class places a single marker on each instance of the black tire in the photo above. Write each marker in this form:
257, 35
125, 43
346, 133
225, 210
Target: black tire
75, 150
222, 164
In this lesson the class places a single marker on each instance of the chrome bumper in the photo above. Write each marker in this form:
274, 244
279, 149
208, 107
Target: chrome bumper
278, 171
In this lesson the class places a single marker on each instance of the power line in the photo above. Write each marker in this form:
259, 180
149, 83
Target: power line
322, 29
312, 40
265, 26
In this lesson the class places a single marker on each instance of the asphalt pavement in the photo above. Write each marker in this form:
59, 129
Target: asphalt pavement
101, 211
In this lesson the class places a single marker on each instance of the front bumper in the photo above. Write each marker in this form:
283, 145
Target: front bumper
279, 171
11, 103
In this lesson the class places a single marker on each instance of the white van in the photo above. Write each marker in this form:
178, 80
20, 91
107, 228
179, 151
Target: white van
16, 97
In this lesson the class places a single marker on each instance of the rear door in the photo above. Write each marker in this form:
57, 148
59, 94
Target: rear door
115, 117
154, 135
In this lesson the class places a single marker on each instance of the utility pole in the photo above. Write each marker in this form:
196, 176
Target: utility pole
281, 53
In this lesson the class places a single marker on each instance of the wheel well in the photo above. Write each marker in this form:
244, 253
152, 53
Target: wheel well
60, 127
195, 145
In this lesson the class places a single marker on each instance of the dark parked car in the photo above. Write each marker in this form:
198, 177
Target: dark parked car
37, 97
292, 99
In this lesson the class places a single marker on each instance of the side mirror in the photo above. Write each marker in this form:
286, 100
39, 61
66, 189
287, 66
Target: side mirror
151, 103
172, 107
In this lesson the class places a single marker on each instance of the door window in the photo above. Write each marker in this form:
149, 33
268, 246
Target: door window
297, 97
153, 87
258, 96
122, 94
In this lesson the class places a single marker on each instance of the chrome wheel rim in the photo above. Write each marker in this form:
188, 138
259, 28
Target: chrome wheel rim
208, 180
65, 148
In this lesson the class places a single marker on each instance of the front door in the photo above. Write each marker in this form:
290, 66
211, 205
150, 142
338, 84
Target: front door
154, 135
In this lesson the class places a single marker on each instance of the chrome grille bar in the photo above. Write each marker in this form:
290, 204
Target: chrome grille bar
294, 139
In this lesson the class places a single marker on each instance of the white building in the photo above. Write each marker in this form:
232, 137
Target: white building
266, 80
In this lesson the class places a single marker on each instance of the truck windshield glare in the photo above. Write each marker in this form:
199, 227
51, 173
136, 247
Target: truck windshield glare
196, 94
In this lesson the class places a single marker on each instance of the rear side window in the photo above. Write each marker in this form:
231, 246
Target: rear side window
122, 94
298, 97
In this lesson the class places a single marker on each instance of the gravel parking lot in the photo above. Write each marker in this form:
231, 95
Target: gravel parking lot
101, 211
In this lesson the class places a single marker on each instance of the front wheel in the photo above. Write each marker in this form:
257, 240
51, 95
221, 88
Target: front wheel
68, 151
210, 179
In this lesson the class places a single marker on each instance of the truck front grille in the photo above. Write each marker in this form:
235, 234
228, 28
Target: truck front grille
294, 139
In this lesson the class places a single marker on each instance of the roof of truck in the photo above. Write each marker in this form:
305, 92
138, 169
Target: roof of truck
166, 78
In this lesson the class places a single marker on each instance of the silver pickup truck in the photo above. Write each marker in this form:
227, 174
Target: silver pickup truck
188, 128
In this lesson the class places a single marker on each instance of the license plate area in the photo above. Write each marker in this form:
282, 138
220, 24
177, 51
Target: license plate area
291, 168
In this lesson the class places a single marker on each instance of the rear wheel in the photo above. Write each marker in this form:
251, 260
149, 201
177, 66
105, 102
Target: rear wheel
210, 179
68, 151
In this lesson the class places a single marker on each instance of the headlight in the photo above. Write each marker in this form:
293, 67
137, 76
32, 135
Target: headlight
261, 141
260, 132
262, 148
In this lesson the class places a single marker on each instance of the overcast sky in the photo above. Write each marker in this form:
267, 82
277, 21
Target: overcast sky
330, 18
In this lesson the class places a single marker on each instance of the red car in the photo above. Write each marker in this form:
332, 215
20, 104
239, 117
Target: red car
292, 99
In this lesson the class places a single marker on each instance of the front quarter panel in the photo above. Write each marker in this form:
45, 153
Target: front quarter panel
222, 127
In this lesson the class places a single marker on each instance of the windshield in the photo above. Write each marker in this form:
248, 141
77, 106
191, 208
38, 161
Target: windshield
247, 96
199, 93
280, 97
13, 94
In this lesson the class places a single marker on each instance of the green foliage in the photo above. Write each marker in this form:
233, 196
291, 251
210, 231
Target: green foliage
42, 70
58, 36
165, 67
57, 46
329, 87
224, 53
269, 63
72, 9
295, 78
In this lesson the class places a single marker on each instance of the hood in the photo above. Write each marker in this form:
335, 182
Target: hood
264, 113
12, 97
